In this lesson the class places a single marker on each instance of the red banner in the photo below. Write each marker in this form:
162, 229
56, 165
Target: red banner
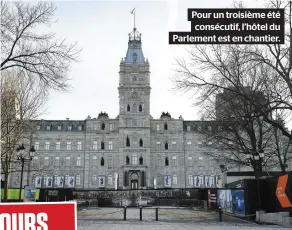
38, 216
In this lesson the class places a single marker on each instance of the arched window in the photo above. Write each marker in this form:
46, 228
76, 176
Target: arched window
166, 145
166, 161
140, 160
102, 126
134, 79
102, 145
128, 142
134, 110
140, 108
102, 162
128, 108
141, 143
127, 160
165, 126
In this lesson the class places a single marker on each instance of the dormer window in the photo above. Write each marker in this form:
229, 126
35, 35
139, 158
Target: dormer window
102, 126
134, 57
134, 79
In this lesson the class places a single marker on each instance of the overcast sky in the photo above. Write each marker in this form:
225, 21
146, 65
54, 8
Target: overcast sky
101, 30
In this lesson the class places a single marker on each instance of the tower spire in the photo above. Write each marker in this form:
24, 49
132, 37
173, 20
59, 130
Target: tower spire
134, 35
133, 12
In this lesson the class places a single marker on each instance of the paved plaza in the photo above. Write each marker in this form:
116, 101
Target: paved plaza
113, 218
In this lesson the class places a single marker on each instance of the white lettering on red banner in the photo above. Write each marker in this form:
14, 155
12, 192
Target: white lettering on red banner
38, 216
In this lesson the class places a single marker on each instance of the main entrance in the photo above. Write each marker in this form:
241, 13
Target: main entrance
134, 180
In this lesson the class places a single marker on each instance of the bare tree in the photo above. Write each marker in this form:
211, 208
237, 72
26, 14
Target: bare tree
22, 100
245, 85
40, 55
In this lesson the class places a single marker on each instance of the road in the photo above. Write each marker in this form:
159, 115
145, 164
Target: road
113, 218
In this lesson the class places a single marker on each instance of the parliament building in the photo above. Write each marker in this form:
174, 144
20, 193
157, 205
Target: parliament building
132, 151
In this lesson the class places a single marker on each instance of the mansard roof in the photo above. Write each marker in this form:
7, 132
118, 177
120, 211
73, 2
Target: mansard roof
54, 124
134, 52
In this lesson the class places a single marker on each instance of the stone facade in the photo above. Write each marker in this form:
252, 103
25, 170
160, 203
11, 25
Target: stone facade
132, 151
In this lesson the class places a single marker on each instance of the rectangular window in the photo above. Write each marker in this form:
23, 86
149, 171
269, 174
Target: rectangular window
173, 126
173, 145
144, 123
66, 179
78, 162
68, 145
94, 145
36, 145
94, 160
190, 180
56, 180
38, 127
110, 145
59, 127
110, 161
158, 161
78, 180
157, 127
95, 127
67, 161
80, 128
79, 145
174, 179
46, 161
69, 128
58, 145
93, 179
110, 180
134, 160
188, 128
200, 158
111, 127
174, 161
47, 147
158, 145
48, 128
57, 161
134, 140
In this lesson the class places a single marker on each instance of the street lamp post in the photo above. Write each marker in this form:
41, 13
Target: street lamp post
257, 160
22, 159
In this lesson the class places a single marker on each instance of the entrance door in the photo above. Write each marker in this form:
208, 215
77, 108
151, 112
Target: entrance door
134, 180
134, 184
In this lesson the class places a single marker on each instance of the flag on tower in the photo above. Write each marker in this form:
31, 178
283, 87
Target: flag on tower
133, 11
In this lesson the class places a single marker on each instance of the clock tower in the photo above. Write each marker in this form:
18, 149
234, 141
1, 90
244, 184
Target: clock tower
134, 113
